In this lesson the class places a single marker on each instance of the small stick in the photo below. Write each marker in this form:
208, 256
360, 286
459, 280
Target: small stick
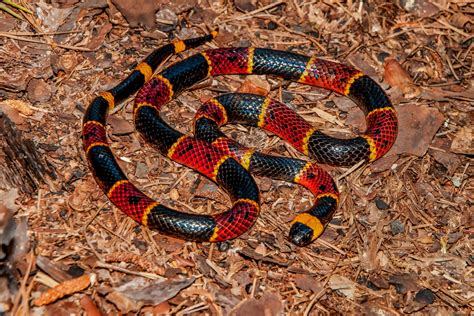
243, 16
82, 49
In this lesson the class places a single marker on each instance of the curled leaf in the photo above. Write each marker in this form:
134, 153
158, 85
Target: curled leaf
396, 76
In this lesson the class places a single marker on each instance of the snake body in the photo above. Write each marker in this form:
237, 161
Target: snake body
223, 160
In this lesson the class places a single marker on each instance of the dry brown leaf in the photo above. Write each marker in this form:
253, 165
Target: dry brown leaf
12, 113
396, 76
463, 141
417, 125
255, 85
139, 292
138, 12
269, 304
120, 126
342, 285
307, 283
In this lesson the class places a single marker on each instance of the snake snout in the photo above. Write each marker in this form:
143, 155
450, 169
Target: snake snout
301, 235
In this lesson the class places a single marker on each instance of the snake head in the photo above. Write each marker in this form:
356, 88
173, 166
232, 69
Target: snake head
301, 235
305, 229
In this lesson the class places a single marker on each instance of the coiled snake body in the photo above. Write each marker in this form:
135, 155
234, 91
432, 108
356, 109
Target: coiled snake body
223, 160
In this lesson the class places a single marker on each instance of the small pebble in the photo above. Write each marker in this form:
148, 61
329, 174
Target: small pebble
287, 97
75, 271
456, 181
142, 170
381, 205
314, 34
425, 296
382, 56
64, 214
330, 104
223, 246
397, 227
272, 25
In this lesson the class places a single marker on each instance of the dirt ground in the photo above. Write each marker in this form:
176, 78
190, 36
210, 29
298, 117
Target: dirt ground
401, 242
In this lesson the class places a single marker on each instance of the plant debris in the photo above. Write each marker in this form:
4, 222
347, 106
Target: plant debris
400, 242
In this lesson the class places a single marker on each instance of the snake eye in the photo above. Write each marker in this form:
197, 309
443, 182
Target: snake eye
301, 235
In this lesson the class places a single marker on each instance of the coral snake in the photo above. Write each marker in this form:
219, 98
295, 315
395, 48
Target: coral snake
223, 160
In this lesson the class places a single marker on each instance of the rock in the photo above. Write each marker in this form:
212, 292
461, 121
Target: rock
425, 296
381, 205
397, 227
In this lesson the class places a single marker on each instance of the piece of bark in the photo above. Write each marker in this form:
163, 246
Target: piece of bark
22, 166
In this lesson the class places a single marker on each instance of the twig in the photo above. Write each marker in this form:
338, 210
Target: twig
309, 38
53, 45
243, 16
147, 275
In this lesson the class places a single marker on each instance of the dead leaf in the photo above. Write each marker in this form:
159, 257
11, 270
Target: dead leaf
139, 292
255, 85
120, 126
13, 114
342, 285
89, 306
307, 283
463, 141
39, 91
8, 198
384, 163
417, 125
269, 304
138, 12
404, 282
396, 76
98, 39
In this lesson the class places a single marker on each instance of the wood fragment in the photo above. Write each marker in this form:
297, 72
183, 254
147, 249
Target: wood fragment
64, 289
23, 166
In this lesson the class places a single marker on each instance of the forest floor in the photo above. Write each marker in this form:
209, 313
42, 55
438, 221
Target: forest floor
402, 239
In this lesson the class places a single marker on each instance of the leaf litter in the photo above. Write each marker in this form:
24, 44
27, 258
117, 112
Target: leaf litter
401, 241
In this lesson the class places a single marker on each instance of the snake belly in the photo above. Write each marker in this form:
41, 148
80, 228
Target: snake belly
217, 162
